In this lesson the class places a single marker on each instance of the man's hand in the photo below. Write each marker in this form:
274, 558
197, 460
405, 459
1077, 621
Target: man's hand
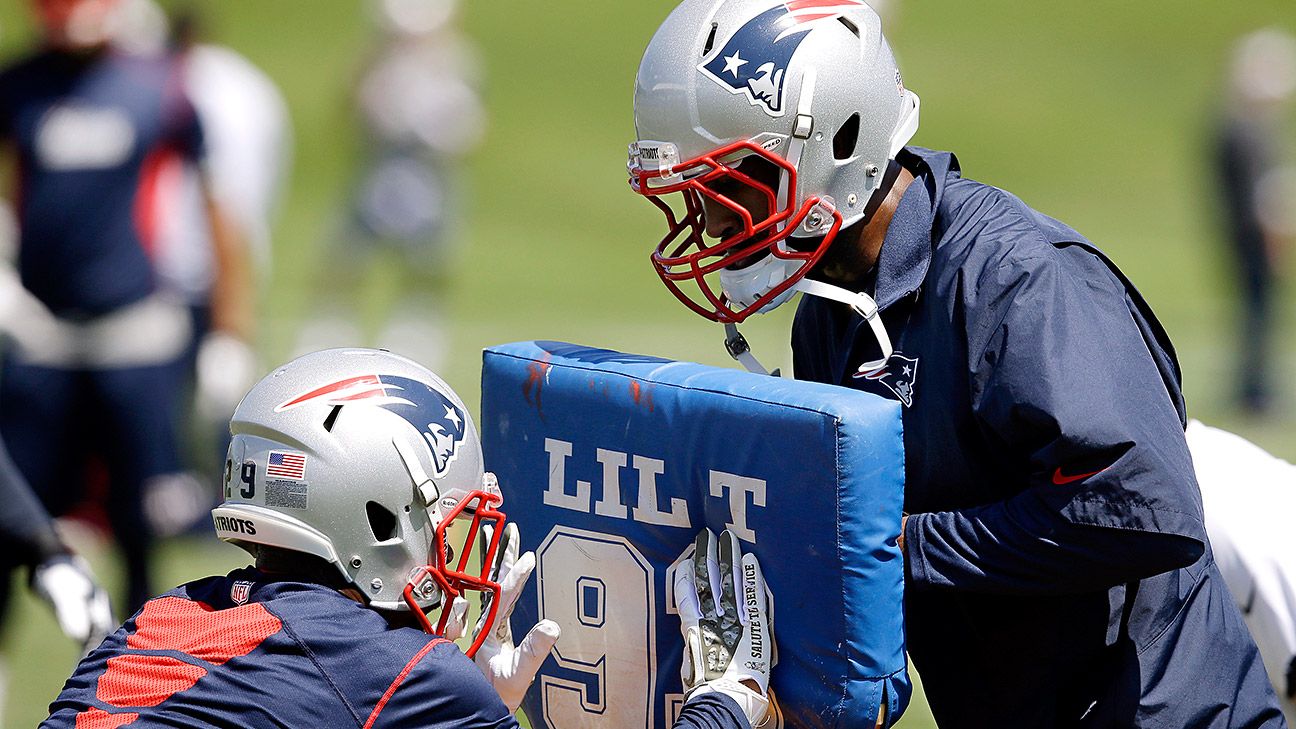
509, 669
79, 603
226, 370
724, 610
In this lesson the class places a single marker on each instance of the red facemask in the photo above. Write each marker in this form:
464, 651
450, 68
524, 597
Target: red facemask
455, 580
689, 265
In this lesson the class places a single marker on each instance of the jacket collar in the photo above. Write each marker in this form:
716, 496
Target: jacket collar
907, 248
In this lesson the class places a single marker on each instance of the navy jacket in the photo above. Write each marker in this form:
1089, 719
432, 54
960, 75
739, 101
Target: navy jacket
251, 651
1058, 571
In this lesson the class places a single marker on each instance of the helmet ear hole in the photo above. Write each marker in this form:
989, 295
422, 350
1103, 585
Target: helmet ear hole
846, 138
381, 521
332, 418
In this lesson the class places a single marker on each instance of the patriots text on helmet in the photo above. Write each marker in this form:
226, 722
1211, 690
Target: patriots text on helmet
237, 526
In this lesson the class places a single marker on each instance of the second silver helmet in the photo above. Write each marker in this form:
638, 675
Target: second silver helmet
362, 459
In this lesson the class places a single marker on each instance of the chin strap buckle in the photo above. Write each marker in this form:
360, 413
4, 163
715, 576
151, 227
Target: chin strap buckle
735, 342
738, 348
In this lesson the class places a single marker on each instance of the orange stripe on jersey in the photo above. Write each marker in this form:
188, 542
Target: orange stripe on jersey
215, 636
175, 624
100, 719
138, 680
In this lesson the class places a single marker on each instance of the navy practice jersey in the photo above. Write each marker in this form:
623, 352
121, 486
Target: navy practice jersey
1057, 563
87, 128
254, 651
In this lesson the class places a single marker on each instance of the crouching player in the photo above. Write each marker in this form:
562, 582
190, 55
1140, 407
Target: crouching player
345, 469
1250, 498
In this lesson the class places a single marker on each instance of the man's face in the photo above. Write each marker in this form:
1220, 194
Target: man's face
722, 221
75, 24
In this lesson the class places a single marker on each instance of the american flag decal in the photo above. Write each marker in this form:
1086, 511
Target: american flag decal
286, 465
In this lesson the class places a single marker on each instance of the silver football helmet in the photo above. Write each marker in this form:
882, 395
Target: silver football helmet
811, 87
363, 459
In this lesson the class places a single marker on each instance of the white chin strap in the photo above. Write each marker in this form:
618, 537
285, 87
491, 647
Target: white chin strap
801, 130
861, 303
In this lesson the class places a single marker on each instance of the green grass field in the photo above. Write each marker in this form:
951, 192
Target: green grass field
1092, 112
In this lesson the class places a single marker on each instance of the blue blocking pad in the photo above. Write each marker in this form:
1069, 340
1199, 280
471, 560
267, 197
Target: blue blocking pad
612, 463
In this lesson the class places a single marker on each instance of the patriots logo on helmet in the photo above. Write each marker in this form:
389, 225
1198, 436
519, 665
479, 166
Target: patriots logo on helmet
755, 59
433, 414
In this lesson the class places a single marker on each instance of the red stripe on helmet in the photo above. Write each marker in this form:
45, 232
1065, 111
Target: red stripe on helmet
371, 380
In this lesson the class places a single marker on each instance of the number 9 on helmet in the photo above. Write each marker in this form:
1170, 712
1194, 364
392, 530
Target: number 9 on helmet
363, 459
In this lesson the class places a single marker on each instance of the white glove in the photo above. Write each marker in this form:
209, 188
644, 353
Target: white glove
728, 644
79, 603
226, 368
458, 619
510, 669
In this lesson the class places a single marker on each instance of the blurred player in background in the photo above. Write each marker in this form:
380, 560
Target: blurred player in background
87, 126
421, 113
1057, 566
1257, 188
1250, 499
248, 138
346, 469
59, 577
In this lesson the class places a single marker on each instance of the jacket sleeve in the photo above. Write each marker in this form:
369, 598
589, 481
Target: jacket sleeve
27, 535
1070, 388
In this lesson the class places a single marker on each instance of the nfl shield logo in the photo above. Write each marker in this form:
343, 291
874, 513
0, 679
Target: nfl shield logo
240, 591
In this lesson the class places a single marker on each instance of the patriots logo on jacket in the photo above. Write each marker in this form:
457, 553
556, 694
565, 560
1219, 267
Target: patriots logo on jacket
755, 59
434, 415
898, 376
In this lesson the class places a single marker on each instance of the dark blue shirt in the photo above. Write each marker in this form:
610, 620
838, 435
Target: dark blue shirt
250, 650
1058, 571
86, 129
